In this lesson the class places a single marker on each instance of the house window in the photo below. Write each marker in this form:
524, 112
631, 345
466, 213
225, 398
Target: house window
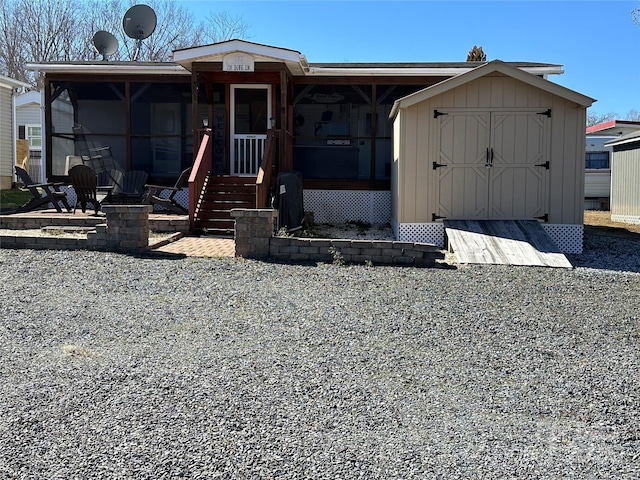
597, 160
34, 135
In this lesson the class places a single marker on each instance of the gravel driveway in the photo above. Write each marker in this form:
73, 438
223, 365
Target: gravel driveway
114, 366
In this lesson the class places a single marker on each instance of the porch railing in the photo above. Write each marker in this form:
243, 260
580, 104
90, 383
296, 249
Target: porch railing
247, 152
265, 171
199, 172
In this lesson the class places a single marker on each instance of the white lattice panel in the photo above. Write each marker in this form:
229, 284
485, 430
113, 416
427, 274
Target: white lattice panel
422, 232
568, 238
338, 206
632, 219
71, 194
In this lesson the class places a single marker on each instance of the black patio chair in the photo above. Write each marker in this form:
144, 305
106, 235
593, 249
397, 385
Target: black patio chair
50, 193
85, 183
153, 197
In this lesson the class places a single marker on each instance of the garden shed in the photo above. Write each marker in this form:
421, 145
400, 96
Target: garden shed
494, 143
625, 178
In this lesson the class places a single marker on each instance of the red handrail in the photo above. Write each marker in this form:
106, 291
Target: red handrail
201, 168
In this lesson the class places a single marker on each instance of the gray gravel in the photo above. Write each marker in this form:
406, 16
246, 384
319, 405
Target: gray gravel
114, 366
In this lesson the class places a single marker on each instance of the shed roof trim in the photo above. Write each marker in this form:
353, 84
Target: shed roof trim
481, 71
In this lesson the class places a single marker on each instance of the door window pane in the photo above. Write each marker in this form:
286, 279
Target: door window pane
251, 111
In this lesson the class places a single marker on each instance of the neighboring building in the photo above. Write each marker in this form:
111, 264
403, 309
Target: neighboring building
625, 178
29, 127
597, 188
330, 121
9, 89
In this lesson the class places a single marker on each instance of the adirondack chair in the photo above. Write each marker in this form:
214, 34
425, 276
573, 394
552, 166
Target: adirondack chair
85, 183
50, 193
132, 187
153, 197
112, 178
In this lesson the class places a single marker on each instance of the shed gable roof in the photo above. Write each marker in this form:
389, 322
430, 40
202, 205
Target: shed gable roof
484, 70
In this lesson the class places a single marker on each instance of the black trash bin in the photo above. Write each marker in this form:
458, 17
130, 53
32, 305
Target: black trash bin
287, 199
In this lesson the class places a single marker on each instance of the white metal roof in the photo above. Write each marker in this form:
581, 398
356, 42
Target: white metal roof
296, 62
628, 138
11, 83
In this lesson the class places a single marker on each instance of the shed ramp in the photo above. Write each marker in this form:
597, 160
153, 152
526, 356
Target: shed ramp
506, 242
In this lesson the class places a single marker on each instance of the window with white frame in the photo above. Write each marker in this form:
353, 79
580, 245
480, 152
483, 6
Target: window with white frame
34, 135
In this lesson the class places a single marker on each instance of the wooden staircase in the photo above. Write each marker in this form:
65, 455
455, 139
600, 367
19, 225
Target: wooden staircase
221, 194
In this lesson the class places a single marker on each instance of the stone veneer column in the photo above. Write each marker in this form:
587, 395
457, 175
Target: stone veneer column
253, 231
127, 227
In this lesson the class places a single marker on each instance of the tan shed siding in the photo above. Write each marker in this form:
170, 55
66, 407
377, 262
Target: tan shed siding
423, 186
625, 181
564, 145
396, 186
410, 126
6, 133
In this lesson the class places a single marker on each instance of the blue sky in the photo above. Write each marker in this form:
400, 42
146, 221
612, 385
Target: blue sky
596, 41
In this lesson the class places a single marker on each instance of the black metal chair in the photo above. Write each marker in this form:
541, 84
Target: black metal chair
85, 183
50, 193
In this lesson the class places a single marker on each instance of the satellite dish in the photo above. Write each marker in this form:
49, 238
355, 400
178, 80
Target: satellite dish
139, 23
105, 43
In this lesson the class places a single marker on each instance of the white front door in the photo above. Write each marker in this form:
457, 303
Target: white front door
492, 165
250, 113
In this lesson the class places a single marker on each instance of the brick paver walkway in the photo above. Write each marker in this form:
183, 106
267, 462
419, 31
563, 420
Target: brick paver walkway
200, 247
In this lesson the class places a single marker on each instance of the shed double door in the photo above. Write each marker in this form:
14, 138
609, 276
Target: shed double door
491, 165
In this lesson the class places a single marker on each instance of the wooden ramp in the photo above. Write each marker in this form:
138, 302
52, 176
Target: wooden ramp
507, 242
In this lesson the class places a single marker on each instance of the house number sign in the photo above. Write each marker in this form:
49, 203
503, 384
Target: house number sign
238, 62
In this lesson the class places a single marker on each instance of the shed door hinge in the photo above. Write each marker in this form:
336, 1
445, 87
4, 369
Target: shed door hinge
547, 112
544, 217
438, 165
545, 164
435, 217
436, 113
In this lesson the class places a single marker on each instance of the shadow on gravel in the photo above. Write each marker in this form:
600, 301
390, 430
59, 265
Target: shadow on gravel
609, 249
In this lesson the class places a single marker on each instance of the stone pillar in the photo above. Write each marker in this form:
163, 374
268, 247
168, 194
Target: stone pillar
127, 227
253, 231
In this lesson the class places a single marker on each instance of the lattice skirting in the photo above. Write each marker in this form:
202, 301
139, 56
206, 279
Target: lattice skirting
568, 238
432, 233
632, 219
338, 206
181, 197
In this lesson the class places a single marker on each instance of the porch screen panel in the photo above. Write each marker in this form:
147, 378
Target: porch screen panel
88, 121
161, 128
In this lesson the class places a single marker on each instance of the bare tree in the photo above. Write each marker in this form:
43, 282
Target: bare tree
633, 115
62, 30
635, 16
593, 118
221, 27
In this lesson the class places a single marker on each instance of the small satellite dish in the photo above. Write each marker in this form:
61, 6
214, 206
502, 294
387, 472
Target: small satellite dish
139, 23
105, 43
